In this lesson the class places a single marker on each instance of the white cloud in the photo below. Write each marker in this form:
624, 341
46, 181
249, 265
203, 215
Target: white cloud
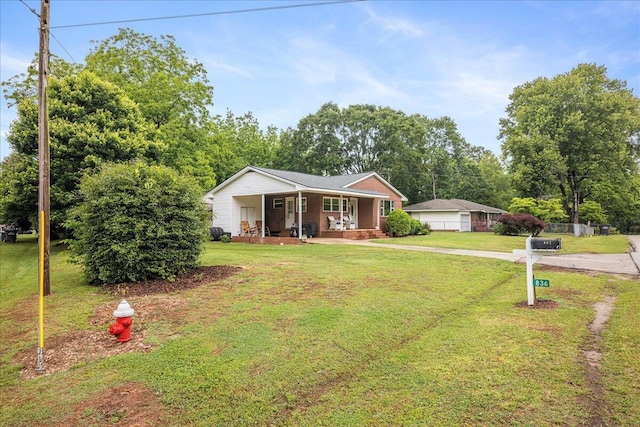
12, 61
314, 62
393, 25
211, 64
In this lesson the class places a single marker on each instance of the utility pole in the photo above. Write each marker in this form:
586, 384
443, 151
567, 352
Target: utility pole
44, 236
43, 147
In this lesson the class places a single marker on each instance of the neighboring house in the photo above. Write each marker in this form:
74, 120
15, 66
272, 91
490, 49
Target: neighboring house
286, 201
455, 215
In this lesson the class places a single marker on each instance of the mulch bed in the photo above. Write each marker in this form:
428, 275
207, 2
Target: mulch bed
190, 280
539, 303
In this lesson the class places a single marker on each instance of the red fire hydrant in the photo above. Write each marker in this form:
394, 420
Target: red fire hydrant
122, 327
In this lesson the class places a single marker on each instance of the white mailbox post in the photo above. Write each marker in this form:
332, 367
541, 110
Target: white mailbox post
533, 252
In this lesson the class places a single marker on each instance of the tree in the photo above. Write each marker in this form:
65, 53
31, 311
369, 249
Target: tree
314, 146
90, 122
18, 190
172, 93
592, 211
563, 135
236, 141
547, 210
495, 179
25, 85
156, 74
138, 222
424, 158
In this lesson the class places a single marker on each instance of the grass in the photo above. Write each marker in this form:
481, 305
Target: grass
614, 244
314, 335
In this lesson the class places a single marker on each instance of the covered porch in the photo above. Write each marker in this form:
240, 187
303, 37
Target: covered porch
308, 214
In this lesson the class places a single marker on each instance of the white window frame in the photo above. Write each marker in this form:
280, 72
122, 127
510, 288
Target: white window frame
387, 206
334, 204
278, 203
304, 204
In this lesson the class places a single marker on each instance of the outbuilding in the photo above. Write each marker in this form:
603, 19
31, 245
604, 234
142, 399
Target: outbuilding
455, 215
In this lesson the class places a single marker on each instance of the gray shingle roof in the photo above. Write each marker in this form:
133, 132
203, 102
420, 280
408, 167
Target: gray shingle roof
451, 205
334, 183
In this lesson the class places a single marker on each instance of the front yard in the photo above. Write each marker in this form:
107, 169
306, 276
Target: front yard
614, 244
311, 335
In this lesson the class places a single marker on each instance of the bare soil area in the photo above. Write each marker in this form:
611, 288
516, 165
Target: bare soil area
539, 303
132, 404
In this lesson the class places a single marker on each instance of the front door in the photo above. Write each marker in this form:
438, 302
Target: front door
353, 212
290, 212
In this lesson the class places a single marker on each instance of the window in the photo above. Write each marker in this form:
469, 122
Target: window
304, 204
387, 206
277, 203
332, 204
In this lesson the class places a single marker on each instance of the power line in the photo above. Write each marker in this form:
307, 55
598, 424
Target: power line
195, 15
30, 9
63, 48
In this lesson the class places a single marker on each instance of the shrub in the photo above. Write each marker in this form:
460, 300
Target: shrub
137, 222
225, 238
592, 211
415, 227
546, 210
399, 223
426, 229
516, 224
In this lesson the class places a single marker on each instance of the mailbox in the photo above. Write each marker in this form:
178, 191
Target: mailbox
546, 244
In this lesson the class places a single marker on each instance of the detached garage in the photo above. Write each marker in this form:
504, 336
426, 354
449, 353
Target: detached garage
455, 215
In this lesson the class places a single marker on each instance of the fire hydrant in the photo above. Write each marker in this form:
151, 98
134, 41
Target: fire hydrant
122, 328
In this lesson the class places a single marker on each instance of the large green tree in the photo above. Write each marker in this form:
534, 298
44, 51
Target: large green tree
90, 122
172, 93
174, 97
236, 141
424, 158
570, 134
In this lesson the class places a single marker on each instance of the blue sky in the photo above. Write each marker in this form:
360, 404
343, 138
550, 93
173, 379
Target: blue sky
460, 59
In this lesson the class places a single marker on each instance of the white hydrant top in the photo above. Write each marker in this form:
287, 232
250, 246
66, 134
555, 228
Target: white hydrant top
123, 310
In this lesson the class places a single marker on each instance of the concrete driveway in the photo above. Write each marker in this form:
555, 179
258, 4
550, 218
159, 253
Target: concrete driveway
628, 263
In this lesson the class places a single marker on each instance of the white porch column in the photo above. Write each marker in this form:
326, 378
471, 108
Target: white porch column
300, 214
264, 224
341, 219
378, 215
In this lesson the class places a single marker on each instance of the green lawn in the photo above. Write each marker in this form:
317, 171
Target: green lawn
615, 244
323, 335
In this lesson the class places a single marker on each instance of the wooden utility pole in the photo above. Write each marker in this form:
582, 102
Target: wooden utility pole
43, 147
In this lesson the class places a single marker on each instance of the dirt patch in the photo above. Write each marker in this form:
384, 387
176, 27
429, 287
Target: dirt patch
190, 280
130, 405
591, 356
539, 303
64, 351
154, 300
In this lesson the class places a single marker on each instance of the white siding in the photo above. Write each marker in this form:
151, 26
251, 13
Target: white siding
439, 220
245, 191
465, 221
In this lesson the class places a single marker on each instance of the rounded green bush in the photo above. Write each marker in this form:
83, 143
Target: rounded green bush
138, 222
399, 223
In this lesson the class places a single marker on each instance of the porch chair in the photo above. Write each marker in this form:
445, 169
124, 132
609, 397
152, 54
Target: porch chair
267, 232
346, 221
332, 223
248, 230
